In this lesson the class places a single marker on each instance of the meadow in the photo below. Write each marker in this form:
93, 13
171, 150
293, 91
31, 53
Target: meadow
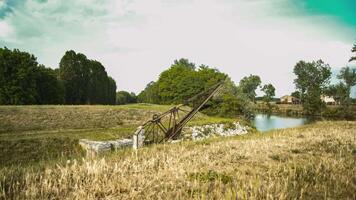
41, 159
33, 134
309, 162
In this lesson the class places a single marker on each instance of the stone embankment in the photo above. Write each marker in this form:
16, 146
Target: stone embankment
189, 133
213, 130
93, 147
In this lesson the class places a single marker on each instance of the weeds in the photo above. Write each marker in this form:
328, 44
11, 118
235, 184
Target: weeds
239, 167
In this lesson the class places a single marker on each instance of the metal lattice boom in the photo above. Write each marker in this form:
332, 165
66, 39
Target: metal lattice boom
169, 125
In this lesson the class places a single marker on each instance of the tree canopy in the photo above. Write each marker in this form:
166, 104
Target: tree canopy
77, 81
184, 80
85, 81
180, 82
123, 97
24, 81
269, 92
312, 79
353, 50
248, 86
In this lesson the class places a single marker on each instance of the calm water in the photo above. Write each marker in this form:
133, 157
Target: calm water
265, 122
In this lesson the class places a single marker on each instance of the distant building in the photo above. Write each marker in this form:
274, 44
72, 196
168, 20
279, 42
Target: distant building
287, 99
329, 100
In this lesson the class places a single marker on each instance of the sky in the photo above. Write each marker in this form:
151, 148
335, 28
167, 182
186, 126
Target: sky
137, 39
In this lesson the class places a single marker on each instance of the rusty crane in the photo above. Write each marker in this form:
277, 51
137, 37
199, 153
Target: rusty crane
169, 125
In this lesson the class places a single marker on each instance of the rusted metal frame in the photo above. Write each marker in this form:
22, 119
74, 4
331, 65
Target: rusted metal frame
158, 118
153, 133
148, 131
170, 120
190, 115
186, 111
163, 128
175, 127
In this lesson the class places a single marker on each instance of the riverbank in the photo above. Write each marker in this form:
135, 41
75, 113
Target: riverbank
332, 111
315, 161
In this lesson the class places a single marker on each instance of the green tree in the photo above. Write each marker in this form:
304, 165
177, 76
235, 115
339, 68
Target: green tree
98, 82
178, 82
85, 81
150, 94
49, 89
353, 50
339, 92
312, 79
296, 94
123, 97
348, 77
183, 80
111, 91
248, 86
17, 77
269, 92
74, 72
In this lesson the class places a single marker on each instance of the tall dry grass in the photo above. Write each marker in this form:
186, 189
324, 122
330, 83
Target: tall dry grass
312, 162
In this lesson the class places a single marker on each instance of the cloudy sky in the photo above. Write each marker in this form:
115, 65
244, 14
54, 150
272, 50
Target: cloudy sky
137, 39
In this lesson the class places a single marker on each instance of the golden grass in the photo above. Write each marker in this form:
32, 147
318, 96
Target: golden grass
29, 134
312, 162
49, 118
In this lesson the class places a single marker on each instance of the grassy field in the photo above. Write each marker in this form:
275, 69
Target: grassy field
316, 161
30, 134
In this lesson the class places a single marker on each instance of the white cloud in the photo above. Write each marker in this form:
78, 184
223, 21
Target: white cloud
5, 29
136, 40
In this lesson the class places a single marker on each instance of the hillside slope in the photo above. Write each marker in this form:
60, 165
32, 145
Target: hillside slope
316, 161
29, 134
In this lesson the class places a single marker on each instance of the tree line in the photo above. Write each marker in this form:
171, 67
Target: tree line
313, 80
78, 80
183, 80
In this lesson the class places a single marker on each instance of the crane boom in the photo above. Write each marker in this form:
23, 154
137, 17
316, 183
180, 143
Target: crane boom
169, 124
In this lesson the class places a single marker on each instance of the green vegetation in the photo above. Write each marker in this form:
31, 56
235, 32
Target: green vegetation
312, 79
331, 111
180, 82
248, 86
123, 97
29, 134
269, 91
309, 162
183, 80
85, 81
312, 83
353, 51
24, 81
77, 81
343, 89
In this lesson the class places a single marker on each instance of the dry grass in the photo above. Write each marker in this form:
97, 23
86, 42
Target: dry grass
29, 134
53, 118
26, 118
312, 162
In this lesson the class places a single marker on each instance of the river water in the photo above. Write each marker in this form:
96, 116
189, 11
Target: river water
264, 122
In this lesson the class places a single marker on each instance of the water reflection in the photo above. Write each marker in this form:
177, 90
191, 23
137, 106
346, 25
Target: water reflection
264, 122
